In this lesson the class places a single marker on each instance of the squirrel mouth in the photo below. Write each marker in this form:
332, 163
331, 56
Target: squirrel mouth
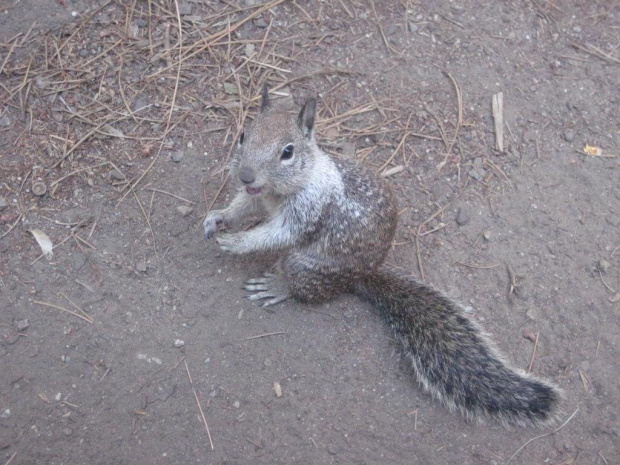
253, 190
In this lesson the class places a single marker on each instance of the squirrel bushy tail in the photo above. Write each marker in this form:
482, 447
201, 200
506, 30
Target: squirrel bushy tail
452, 356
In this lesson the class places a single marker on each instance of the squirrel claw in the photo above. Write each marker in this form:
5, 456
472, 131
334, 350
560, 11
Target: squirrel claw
267, 287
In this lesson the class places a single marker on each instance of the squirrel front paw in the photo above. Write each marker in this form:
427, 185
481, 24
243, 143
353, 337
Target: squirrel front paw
230, 242
211, 222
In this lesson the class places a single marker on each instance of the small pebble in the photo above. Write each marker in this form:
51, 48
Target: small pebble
141, 266
412, 27
185, 210
260, 22
267, 362
569, 135
531, 314
83, 53
142, 23
487, 235
3, 203
141, 102
463, 216
177, 156
6, 414
236, 404
116, 175
39, 188
179, 343
22, 324
67, 431
529, 335
603, 265
332, 450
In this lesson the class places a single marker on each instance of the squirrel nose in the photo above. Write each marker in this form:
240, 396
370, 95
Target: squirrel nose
247, 175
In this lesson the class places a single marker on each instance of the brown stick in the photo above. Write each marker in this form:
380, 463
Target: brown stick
202, 414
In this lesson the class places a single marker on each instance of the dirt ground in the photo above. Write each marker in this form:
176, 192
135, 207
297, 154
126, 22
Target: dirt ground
130, 143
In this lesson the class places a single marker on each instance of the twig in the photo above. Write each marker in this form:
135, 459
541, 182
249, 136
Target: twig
10, 458
542, 436
529, 368
168, 193
75, 305
204, 420
264, 335
47, 304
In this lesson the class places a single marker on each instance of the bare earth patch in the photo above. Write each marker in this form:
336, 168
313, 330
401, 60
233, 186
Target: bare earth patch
116, 124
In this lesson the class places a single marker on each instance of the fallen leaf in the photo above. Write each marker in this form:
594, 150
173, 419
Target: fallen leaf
593, 151
277, 388
44, 242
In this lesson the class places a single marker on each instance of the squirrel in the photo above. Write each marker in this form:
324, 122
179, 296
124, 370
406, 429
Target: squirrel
333, 222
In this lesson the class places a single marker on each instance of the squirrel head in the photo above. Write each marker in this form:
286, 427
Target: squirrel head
276, 151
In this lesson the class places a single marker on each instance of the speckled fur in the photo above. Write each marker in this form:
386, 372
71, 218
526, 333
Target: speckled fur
334, 222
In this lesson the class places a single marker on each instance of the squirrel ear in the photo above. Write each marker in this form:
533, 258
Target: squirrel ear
306, 117
265, 98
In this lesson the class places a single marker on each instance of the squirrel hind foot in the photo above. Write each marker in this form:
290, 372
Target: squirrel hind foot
269, 286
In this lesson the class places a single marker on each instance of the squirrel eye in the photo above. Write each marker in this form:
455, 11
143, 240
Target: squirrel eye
287, 152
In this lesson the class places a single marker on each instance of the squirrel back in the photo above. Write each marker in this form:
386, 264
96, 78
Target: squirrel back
334, 223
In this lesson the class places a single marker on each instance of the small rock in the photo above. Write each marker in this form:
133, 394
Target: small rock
57, 116
5, 121
179, 343
463, 216
140, 102
3, 204
391, 29
267, 362
603, 265
185, 8
142, 23
185, 210
141, 266
568, 446
67, 431
249, 49
531, 314
529, 335
412, 27
577, 29
468, 309
79, 260
230, 88
332, 450
177, 156
116, 175
38, 188
474, 174
236, 404
260, 22
22, 324
585, 365
83, 53
569, 135
487, 235
6, 414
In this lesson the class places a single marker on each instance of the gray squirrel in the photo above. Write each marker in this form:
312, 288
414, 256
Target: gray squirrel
333, 223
